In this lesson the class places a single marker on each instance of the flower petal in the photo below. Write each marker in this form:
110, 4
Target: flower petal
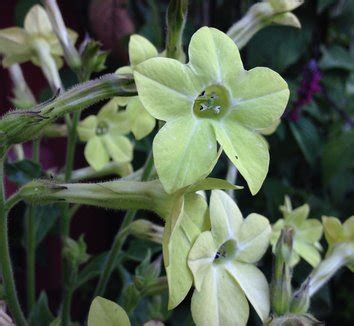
254, 285
37, 22
247, 150
87, 128
141, 122
96, 154
201, 257
220, 301
214, 56
225, 217
310, 231
333, 230
13, 40
298, 215
261, 96
183, 226
183, 152
348, 227
253, 238
307, 252
140, 49
118, 147
166, 88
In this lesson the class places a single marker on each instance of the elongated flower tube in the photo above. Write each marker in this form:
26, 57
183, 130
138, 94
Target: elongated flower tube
71, 55
262, 14
24, 125
211, 99
222, 262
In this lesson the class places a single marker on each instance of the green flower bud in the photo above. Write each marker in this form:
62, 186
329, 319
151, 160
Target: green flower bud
176, 19
261, 15
23, 125
147, 230
75, 251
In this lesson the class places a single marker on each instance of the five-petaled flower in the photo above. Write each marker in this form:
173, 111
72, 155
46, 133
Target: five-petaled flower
307, 233
211, 99
105, 138
222, 262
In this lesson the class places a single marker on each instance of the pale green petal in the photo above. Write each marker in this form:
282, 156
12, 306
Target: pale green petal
221, 302
333, 230
96, 154
247, 150
201, 257
118, 147
348, 227
14, 41
182, 228
141, 121
213, 183
253, 238
16, 58
260, 97
310, 231
166, 88
298, 215
254, 285
108, 313
183, 152
37, 21
124, 70
307, 252
226, 218
214, 57
87, 128
140, 49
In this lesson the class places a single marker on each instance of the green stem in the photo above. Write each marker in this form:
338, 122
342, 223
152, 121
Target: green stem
69, 290
31, 243
120, 237
5, 260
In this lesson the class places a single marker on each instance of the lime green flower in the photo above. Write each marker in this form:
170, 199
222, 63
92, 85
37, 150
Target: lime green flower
212, 98
307, 233
141, 122
105, 138
32, 42
222, 262
335, 232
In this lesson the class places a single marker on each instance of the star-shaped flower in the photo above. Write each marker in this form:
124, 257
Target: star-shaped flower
211, 99
222, 262
105, 138
141, 121
307, 233
19, 45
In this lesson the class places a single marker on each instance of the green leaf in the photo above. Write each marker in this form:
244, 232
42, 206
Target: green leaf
40, 314
108, 313
307, 137
22, 172
190, 145
45, 218
336, 57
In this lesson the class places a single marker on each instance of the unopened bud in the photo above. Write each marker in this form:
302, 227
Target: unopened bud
147, 230
176, 19
75, 251
23, 125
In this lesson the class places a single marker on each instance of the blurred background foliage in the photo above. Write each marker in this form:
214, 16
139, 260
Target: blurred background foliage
312, 151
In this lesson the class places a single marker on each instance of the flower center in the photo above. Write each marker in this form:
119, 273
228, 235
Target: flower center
102, 128
226, 252
213, 102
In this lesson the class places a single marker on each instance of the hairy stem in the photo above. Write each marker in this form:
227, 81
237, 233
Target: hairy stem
5, 260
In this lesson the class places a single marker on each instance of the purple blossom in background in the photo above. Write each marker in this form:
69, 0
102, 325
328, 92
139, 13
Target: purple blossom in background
310, 85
